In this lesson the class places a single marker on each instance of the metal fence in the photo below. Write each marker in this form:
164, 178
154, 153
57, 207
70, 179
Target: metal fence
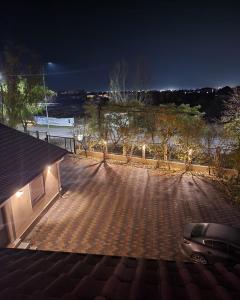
203, 157
63, 142
67, 143
71, 144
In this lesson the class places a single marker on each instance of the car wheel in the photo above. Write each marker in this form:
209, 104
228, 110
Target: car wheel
198, 258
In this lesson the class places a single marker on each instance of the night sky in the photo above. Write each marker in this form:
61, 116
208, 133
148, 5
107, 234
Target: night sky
184, 44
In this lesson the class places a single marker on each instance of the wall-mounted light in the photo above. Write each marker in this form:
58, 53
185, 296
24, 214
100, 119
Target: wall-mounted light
80, 137
49, 168
19, 193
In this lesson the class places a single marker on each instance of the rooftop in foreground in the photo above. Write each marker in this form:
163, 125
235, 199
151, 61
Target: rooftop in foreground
46, 275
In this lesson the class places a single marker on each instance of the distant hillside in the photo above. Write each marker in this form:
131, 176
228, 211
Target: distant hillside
211, 100
71, 103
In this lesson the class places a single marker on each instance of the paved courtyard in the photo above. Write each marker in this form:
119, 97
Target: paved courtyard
123, 210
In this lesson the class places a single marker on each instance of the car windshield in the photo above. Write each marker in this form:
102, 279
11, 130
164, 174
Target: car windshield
198, 230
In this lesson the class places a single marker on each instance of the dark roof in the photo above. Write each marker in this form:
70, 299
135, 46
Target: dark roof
22, 157
223, 232
46, 275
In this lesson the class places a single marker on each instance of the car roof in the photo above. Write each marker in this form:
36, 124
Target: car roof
223, 233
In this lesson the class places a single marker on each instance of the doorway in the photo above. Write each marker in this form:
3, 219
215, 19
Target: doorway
4, 237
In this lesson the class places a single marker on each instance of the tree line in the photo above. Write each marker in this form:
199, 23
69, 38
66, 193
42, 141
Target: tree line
170, 131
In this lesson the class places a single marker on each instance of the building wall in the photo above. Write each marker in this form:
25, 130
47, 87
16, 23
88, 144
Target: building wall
19, 209
4, 237
51, 179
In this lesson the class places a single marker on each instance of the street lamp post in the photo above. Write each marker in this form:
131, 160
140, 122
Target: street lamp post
45, 98
2, 104
2, 99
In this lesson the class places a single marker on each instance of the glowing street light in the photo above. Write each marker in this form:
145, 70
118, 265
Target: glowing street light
44, 90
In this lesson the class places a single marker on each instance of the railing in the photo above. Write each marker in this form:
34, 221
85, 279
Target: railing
204, 157
71, 144
67, 143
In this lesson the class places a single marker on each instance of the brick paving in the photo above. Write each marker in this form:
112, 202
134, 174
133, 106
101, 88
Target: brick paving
122, 210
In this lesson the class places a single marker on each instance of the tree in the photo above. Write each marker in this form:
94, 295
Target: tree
123, 120
23, 104
118, 93
22, 87
190, 125
214, 144
167, 127
232, 130
142, 81
232, 106
231, 120
161, 126
124, 124
116, 123
96, 130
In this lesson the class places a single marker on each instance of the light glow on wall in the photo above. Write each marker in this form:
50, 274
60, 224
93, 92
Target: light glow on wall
19, 193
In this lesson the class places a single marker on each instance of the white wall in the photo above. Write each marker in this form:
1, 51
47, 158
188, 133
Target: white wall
21, 209
20, 212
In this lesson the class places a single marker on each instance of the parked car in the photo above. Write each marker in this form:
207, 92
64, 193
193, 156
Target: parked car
210, 242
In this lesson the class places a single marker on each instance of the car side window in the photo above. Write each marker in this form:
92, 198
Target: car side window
234, 250
220, 246
208, 243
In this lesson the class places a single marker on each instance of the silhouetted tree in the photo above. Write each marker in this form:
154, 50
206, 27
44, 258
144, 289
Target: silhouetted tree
117, 88
22, 86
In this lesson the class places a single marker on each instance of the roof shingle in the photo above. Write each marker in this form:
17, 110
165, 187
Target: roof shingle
22, 157
34, 274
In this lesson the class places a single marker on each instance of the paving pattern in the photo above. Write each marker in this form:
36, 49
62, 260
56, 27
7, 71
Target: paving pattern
127, 211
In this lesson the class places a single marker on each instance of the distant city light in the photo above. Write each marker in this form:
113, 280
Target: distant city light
169, 89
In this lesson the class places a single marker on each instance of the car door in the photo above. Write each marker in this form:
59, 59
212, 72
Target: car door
208, 250
234, 253
220, 251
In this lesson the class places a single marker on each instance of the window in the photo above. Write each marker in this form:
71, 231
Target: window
220, 246
198, 230
234, 250
36, 189
208, 243
4, 238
